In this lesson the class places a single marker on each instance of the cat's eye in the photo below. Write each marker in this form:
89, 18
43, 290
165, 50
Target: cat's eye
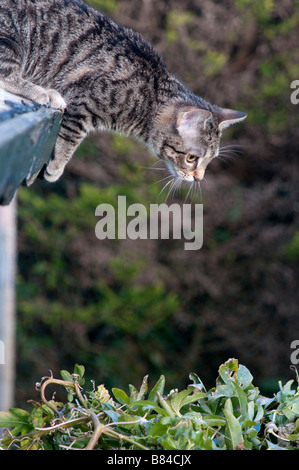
191, 158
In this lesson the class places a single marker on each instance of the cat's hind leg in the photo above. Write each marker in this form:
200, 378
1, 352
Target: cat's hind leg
11, 79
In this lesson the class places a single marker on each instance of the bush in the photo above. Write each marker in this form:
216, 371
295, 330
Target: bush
233, 415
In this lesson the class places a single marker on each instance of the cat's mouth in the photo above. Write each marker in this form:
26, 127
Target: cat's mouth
173, 183
188, 176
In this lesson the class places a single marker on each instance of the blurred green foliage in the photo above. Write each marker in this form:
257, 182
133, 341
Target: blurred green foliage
50, 294
213, 62
292, 248
262, 9
175, 21
107, 6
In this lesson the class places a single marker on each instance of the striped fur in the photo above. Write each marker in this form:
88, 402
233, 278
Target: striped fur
65, 54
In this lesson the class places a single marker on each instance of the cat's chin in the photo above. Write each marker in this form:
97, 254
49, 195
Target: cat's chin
186, 178
178, 176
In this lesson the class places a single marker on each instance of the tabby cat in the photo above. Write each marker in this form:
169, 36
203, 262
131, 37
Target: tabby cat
64, 54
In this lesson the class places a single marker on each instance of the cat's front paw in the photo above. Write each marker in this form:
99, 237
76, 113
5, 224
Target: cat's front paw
39, 95
53, 172
55, 100
50, 98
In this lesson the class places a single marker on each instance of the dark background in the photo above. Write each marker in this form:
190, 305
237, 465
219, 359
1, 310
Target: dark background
129, 308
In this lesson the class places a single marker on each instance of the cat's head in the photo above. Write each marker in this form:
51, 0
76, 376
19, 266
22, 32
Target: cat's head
190, 137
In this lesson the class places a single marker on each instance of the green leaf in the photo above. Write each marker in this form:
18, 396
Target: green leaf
225, 390
197, 382
158, 387
244, 376
233, 431
79, 370
19, 413
291, 411
158, 430
121, 396
65, 375
194, 397
259, 414
229, 406
177, 400
17, 419
251, 410
225, 370
143, 388
133, 392
242, 398
214, 420
150, 405
285, 392
272, 446
248, 423
112, 414
169, 444
46, 409
38, 419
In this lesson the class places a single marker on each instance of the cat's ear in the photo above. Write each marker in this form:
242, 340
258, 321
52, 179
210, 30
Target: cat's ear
227, 117
189, 122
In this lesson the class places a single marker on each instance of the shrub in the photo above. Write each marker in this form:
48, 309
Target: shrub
233, 415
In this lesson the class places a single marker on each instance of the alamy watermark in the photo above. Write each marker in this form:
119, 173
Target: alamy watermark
295, 354
160, 222
295, 94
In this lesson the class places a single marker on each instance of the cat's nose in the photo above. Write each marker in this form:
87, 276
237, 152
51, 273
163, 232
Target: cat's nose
199, 174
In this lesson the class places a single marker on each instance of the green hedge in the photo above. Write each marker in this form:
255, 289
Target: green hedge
233, 415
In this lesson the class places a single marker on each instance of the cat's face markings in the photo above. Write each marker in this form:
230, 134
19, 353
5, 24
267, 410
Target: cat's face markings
194, 138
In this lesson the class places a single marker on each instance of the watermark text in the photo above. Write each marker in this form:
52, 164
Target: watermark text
295, 354
160, 222
295, 94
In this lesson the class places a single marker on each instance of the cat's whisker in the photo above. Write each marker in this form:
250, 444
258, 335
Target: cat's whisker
219, 157
169, 191
177, 186
158, 161
195, 192
229, 154
230, 150
198, 189
226, 158
191, 186
154, 166
194, 185
231, 146
164, 187
163, 179
172, 186
150, 168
